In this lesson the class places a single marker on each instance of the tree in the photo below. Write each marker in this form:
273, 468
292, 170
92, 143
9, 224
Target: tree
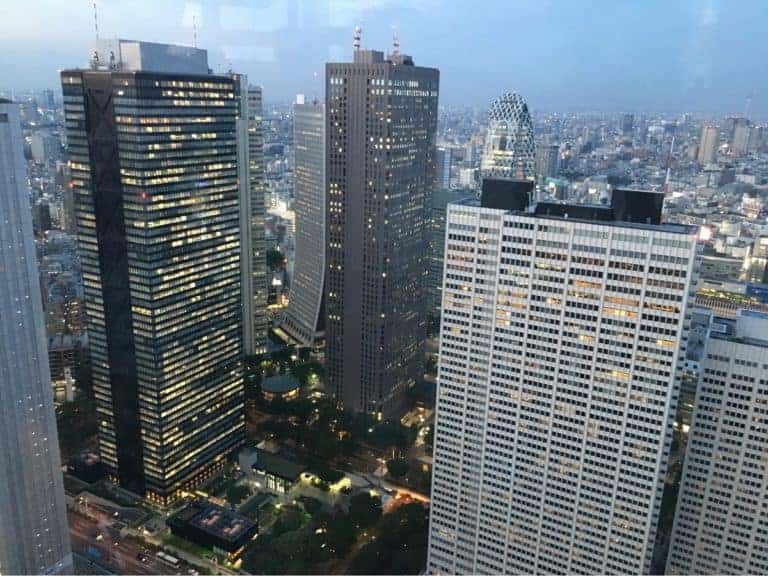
364, 509
401, 547
398, 467
237, 493
373, 558
429, 437
275, 260
289, 520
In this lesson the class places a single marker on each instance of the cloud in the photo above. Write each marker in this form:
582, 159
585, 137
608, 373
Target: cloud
345, 13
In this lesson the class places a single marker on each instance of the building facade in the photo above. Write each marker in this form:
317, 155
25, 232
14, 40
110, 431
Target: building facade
558, 382
708, 143
443, 163
154, 161
722, 507
253, 232
304, 320
547, 162
510, 150
34, 536
381, 120
439, 201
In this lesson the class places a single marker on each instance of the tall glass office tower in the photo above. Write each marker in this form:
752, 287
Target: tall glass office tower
304, 318
34, 537
381, 119
154, 147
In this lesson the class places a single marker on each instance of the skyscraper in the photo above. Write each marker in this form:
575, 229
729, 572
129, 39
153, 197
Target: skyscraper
547, 161
34, 537
741, 136
627, 124
708, 143
253, 234
304, 319
381, 119
154, 148
510, 151
443, 158
722, 506
558, 381
438, 205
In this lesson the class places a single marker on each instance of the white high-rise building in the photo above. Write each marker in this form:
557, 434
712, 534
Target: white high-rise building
558, 382
34, 537
721, 524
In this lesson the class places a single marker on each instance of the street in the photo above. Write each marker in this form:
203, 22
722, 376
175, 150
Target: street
122, 558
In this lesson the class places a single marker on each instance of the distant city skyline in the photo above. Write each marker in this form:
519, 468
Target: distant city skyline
701, 56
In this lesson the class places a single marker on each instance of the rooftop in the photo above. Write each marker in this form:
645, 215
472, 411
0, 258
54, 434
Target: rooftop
750, 328
278, 466
280, 384
214, 520
139, 56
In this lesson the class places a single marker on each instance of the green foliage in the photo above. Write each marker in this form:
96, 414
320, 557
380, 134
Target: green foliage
398, 467
401, 547
275, 260
364, 509
429, 437
326, 473
237, 493
303, 372
389, 433
77, 423
302, 550
311, 505
290, 519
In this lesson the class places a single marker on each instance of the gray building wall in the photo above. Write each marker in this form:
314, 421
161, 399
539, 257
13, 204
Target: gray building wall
253, 234
34, 537
380, 133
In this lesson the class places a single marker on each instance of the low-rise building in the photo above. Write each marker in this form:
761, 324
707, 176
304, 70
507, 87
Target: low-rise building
214, 527
276, 473
282, 387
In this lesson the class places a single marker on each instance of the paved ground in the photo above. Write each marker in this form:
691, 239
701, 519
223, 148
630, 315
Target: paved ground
122, 558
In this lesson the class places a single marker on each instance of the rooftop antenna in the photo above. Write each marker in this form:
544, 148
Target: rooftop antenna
96, 19
357, 36
194, 30
395, 42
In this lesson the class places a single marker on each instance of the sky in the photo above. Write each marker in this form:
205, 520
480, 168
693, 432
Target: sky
701, 56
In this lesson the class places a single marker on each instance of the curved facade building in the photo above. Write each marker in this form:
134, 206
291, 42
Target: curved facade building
510, 152
304, 319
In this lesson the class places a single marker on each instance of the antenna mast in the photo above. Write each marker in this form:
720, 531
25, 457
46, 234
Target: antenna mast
96, 19
194, 30
395, 42
357, 37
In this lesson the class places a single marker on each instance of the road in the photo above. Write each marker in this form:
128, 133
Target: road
122, 558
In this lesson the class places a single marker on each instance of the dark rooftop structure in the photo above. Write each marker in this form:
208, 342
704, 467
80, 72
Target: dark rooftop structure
275, 465
212, 526
280, 384
634, 208
505, 194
